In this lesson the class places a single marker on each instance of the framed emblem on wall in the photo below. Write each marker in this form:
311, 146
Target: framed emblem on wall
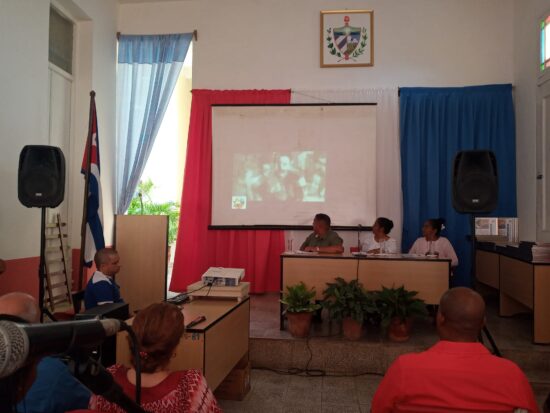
347, 38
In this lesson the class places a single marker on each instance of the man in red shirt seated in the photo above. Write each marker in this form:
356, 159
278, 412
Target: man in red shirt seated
458, 374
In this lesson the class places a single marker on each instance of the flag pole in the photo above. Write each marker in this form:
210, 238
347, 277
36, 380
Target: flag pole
89, 145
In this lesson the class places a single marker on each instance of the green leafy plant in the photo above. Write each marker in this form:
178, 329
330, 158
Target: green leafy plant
398, 302
144, 205
363, 43
331, 46
348, 299
299, 299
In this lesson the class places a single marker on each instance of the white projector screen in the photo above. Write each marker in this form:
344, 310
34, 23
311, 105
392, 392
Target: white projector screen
280, 165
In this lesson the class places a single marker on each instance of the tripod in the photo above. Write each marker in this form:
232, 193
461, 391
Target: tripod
42, 270
485, 331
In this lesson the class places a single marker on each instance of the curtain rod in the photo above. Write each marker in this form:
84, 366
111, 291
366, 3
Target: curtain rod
195, 35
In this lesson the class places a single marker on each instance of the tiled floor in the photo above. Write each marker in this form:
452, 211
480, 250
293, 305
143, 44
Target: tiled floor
509, 333
273, 393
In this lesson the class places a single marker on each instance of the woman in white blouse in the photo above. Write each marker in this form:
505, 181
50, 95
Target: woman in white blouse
380, 242
433, 244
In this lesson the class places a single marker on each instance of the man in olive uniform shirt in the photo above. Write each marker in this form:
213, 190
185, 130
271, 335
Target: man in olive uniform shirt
323, 239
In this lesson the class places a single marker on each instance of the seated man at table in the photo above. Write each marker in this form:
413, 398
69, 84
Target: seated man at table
457, 374
323, 239
102, 289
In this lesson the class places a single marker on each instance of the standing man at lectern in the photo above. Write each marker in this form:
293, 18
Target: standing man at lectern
323, 239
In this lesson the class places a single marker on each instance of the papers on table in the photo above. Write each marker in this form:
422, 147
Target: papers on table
541, 252
299, 252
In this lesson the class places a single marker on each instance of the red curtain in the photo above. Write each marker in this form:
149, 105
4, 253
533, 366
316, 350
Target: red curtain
197, 248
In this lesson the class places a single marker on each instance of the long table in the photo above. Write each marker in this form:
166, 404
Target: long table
214, 346
429, 276
523, 286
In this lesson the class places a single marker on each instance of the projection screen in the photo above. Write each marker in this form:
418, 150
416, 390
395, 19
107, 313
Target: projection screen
280, 165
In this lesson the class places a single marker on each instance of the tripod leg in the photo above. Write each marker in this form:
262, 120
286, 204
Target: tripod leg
493, 344
42, 265
42, 270
480, 337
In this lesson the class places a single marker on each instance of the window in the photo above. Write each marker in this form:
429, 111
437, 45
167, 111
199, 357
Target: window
545, 44
61, 41
543, 132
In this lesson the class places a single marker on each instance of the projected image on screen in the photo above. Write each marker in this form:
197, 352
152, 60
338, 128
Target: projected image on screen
294, 176
282, 164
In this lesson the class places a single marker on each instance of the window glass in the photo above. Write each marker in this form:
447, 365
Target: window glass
61, 41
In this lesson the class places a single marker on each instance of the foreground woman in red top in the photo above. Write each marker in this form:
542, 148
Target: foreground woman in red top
159, 329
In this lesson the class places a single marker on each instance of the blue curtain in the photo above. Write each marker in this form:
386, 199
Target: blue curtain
436, 123
147, 71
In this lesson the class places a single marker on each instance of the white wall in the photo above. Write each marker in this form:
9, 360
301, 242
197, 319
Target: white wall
24, 110
275, 44
526, 59
245, 44
23, 115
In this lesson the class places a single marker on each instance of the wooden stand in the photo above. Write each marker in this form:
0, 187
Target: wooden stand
58, 285
142, 244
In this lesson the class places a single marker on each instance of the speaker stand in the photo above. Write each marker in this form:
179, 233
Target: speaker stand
42, 270
491, 340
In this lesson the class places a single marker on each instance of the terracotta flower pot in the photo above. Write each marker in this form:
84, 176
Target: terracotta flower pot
352, 329
299, 324
400, 330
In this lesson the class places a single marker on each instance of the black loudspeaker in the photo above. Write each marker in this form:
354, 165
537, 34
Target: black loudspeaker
41, 179
475, 182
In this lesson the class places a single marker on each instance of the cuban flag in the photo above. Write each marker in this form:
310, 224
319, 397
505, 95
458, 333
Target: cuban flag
94, 211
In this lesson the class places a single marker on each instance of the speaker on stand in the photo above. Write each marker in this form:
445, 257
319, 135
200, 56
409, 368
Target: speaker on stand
475, 191
475, 182
41, 184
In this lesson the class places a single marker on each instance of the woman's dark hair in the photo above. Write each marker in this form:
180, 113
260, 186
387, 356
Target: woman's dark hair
385, 223
159, 329
437, 224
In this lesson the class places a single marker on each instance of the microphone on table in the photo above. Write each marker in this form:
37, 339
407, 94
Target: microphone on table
21, 342
359, 228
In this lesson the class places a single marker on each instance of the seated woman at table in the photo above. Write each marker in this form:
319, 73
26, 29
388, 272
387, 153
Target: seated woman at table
380, 242
159, 329
433, 244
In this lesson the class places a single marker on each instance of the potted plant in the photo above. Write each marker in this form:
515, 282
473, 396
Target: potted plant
350, 303
397, 307
142, 204
300, 306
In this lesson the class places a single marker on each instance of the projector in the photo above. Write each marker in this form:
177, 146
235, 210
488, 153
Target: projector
223, 277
